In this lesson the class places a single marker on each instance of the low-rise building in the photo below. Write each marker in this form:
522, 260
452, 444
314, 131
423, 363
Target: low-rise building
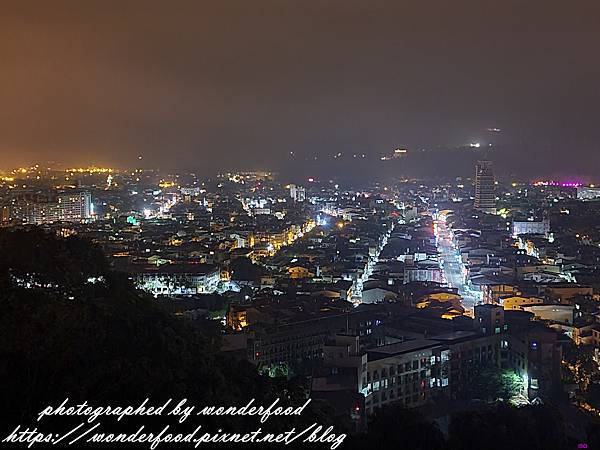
177, 279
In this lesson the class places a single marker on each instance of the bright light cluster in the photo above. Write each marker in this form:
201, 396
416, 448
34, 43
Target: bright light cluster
92, 169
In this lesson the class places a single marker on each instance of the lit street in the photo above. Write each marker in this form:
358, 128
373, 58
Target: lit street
451, 263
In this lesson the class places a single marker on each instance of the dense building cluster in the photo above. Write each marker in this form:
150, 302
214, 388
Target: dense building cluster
405, 292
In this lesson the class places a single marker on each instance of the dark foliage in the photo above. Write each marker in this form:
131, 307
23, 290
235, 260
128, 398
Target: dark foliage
532, 427
242, 269
104, 342
394, 427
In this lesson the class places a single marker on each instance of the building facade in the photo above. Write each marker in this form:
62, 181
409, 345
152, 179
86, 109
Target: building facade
485, 192
172, 279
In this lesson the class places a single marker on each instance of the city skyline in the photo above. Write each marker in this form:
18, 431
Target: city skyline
371, 223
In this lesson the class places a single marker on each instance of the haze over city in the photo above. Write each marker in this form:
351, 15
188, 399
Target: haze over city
332, 224
273, 85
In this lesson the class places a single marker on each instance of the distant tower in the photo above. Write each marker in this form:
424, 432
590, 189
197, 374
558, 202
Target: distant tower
297, 193
485, 195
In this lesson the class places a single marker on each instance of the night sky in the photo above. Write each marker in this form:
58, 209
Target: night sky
213, 85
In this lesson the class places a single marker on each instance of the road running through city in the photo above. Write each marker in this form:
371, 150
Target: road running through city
451, 263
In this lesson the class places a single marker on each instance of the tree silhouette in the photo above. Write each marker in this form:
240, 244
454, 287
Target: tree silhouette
104, 342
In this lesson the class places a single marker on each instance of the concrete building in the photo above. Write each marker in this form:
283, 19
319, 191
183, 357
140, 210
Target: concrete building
588, 193
485, 192
297, 193
67, 207
530, 227
562, 314
177, 279
518, 301
412, 373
